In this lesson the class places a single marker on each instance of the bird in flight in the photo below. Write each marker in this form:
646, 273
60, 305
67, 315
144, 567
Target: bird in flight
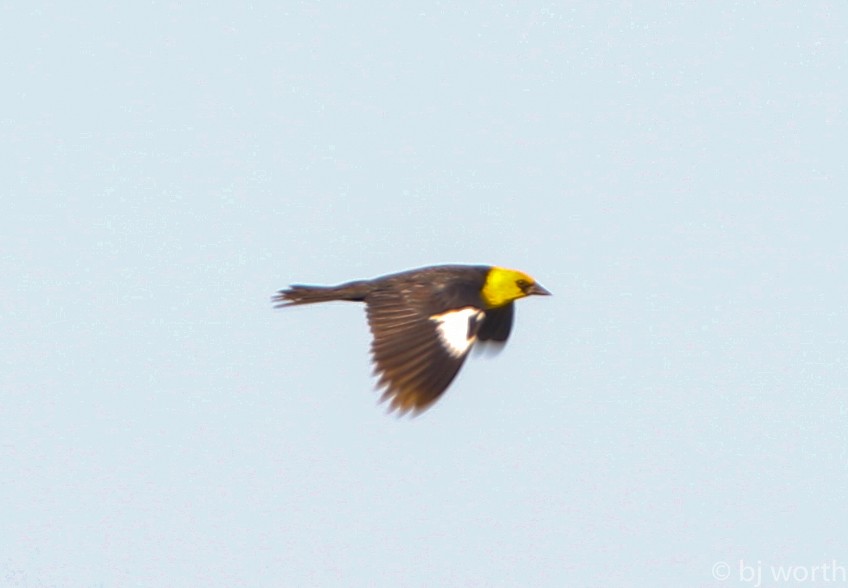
425, 321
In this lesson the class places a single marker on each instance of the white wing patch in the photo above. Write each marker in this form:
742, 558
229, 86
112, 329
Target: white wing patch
457, 329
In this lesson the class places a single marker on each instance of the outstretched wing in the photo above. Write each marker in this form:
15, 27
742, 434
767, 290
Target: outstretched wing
417, 352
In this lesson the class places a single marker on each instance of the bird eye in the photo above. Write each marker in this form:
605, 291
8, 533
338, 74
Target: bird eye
522, 284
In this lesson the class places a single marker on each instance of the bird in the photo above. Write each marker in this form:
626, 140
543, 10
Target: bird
425, 321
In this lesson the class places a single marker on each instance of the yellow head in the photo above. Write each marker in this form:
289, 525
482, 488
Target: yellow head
503, 285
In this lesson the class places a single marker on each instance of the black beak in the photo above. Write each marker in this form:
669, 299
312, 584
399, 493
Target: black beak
538, 290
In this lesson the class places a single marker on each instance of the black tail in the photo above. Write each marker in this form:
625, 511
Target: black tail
300, 294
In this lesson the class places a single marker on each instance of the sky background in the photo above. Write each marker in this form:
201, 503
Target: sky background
674, 173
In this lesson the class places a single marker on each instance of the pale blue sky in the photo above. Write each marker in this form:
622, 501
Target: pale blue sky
675, 174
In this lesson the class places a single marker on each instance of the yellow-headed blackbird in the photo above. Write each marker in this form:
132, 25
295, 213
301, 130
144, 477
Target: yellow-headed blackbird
424, 322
